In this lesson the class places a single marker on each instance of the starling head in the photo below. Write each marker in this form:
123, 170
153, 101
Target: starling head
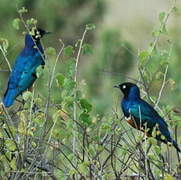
38, 33
127, 87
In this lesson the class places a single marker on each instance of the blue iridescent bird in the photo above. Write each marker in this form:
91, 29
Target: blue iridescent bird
23, 73
142, 116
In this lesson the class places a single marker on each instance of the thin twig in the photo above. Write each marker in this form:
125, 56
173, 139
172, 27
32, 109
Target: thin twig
162, 87
7, 61
50, 86
75, 91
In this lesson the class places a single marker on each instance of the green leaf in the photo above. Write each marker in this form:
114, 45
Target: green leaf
1, 134
72, 172
39, 119
78, 94
15, 23
27, 95
162, 16
174, 9
83, 168
152, 157
105, 127
90, 26
156, 33
85, 105
13, 164
10, 145
60, 79
168, 177
39, 71
4, 43
50, 51
31, 21
85, 118
157, 149
69, 84
87, 49
33, 144
22, 10
144, 55
69, 50
159, 75
70, 67
62, 175
164, 63
38, 101
152, 140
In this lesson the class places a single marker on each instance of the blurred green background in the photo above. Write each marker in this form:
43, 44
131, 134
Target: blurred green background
123, 29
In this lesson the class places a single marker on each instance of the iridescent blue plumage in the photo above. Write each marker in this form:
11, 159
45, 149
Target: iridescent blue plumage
142, 115
23, 73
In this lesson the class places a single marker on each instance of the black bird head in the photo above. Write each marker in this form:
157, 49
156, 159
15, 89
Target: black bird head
127, 87
38, 33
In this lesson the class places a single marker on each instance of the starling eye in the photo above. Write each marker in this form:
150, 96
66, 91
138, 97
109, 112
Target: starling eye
124, 86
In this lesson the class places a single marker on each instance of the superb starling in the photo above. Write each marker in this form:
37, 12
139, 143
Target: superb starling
142, 116
23, 73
